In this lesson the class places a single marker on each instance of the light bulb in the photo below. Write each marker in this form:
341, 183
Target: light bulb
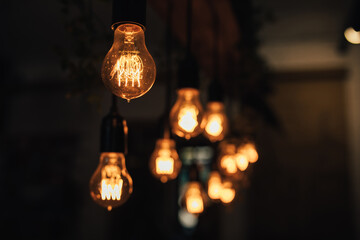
228, 164
352, 36
249, 150
111, 184
227, 193
241, 161
186, 116
164, 162
194, 201
214, 185
128, 70
216, 122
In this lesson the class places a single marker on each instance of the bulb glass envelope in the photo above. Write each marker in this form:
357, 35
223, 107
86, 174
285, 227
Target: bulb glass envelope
128, 69
186, 116
111, 184
164, 162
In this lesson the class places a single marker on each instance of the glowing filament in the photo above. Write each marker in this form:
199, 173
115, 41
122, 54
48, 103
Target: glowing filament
241, 161
194, 201
111, 183
128, 70
214, 125
187, 118
228, 163
164, 165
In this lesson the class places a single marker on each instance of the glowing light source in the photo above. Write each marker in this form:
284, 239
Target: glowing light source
164, 162
111, 184
128, 70
214, 185
241, 161
227, 162
186, 116
227, 194
194, 201
249, 150
216, 122
352, 36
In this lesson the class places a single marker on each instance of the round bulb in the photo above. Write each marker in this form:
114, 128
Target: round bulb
352, 36
216, 122
164, 162
241, 161
228, 164
227, 194
214, 185
250, 151
128, 70
111, 184
194, 201
186, 116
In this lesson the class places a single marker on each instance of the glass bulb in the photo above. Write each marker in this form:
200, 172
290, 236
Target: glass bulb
216, 122
250, 151
186, 116
227, 193
128, 70
164, 162
194, 201
352, 36
214, 185
241, 161
111, 184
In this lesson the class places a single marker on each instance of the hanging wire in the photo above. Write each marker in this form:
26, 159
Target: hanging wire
188, 26
217, 43
168, 54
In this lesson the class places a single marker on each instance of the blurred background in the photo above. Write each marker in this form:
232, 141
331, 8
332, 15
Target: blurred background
290, 79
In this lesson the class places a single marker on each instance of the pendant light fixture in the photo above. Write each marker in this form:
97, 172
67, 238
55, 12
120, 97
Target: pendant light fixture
216, 126
186, 116
128, 69
194, 198
164, 163
111, 184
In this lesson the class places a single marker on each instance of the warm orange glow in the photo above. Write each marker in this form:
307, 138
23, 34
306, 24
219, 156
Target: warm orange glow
216, 122
352, 36
214, 185
250, 151
186, 116
111, 184
241, 161
227, 194
227, 162
128, 69
214, 125
164, 162
194, 201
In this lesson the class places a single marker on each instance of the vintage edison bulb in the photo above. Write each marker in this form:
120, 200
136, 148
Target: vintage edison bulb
111, 184
128, 70
216, 122
214, 185
241, 161
250, 151
227, 193
194, 201
186, 116
164, 162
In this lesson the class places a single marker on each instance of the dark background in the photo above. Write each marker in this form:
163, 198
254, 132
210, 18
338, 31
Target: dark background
289, 77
